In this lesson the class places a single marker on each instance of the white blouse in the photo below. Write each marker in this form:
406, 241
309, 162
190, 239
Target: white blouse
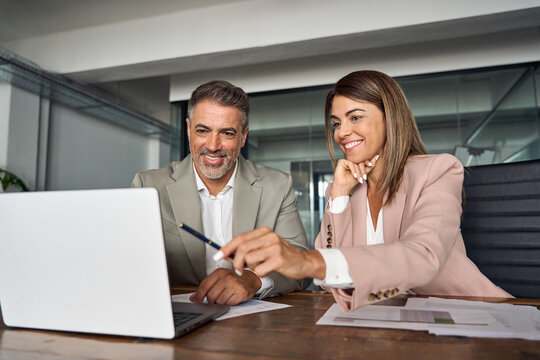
337, 268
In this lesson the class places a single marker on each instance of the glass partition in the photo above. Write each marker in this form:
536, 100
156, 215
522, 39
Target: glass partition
286, 131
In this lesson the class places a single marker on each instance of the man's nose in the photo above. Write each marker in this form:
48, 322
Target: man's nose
214, 142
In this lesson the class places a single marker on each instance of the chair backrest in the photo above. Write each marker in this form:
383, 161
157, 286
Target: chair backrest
501, 224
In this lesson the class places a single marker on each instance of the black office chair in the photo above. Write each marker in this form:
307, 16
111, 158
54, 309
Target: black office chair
501, 224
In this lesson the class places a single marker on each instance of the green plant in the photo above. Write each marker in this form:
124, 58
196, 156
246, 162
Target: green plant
10, 179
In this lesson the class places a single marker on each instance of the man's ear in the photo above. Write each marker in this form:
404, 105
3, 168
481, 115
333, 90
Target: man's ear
188, 128
244, 136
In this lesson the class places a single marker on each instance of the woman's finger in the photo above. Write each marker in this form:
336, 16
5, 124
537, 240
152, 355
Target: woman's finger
232, 246
266, 267
368, 165
272, 250
244, 250
344, 166
360, 173
363, 171
284, 259
352, 169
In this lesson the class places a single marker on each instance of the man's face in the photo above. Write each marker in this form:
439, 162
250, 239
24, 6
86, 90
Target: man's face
215, 138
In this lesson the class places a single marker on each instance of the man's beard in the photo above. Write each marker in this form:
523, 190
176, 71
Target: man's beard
214, 171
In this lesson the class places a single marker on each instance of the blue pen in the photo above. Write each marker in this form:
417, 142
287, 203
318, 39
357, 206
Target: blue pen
201, 237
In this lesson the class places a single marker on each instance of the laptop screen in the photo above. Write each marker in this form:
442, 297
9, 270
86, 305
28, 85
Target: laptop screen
87, 260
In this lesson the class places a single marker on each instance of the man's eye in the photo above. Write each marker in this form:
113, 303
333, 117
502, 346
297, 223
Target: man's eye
229, 134
200, 131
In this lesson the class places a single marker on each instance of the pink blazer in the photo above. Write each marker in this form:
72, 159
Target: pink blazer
423, 250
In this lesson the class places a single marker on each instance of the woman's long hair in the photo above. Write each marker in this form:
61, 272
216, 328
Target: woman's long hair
402, 135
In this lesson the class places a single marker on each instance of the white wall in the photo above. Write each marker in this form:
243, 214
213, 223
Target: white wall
207, 37
5, 98
53, 147
24, 135
88, 153
159, 154
19, 132
511, 47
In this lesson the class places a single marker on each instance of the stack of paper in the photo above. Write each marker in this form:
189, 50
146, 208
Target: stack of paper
245, 308
445, 317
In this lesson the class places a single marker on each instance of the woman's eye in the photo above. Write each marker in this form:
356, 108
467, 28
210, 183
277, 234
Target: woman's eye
355, 118
335, 125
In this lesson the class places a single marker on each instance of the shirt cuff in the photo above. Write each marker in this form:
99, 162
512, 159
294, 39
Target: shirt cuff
337, 270
338, 205
266, 283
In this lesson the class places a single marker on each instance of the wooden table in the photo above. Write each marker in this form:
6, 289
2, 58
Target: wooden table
282, 334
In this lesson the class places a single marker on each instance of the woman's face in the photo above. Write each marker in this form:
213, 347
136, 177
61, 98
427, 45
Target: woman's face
359, 128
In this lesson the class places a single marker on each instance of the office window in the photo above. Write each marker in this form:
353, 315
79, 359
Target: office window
482, 117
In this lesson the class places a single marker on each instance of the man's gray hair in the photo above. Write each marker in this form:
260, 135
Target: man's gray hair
224, 93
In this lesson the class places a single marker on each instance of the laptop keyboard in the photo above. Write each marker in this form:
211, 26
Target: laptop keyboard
183, 317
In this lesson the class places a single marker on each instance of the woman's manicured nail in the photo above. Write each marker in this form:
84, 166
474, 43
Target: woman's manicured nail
355, 176
365, 177
237, 272
218, 256
361, 181
377, 158
370, 164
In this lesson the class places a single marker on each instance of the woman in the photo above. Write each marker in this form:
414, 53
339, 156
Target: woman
392, 222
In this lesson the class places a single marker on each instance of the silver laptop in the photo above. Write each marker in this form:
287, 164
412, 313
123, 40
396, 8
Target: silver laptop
89, 261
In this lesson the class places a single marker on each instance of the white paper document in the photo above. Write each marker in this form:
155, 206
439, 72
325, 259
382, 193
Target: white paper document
518, 321
245, 308
444, 317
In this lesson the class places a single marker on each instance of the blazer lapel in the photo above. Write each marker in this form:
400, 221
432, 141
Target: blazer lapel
247, 197
392, 214
186, 206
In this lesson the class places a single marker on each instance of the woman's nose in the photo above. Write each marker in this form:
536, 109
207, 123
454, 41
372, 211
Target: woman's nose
345, 129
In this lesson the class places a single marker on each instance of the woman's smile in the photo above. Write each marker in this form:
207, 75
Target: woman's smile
352, 145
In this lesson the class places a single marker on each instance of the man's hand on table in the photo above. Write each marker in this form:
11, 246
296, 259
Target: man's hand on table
223, 286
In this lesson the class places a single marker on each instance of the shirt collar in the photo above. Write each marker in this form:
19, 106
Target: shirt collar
204, 189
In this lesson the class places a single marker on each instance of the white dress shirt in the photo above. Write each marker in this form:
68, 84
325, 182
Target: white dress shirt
337, 268
217, 218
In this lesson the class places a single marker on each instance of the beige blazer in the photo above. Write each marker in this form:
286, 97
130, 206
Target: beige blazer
262, 197
423, 250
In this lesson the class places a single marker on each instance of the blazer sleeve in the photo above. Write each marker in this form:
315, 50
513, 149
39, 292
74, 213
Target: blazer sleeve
384, 270
289, 226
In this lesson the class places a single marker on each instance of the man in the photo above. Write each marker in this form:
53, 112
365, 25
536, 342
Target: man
221, 194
